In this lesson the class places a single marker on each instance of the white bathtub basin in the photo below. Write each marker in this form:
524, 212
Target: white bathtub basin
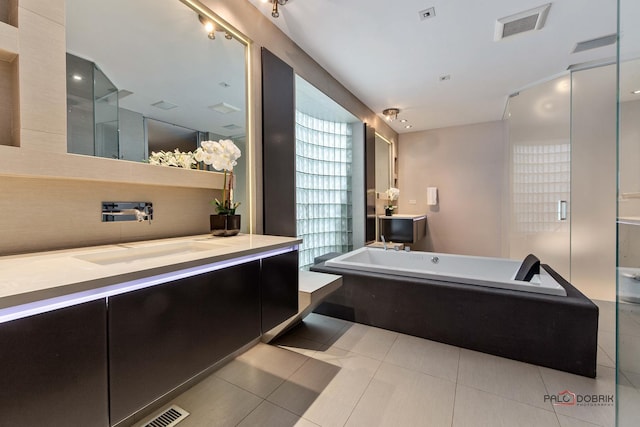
472, 270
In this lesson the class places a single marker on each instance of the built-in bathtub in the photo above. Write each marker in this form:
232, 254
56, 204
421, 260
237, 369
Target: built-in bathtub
467, 307
471, 270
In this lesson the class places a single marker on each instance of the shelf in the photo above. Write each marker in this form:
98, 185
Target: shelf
8, 42
23, 162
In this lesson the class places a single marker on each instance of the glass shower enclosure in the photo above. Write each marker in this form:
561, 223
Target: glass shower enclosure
92, 110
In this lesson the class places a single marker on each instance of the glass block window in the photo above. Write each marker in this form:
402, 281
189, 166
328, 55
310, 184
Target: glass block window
323, 187
541, 177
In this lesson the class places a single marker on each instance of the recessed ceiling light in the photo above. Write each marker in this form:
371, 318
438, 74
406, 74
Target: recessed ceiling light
403, 121
77, 77
636, 92
408, 127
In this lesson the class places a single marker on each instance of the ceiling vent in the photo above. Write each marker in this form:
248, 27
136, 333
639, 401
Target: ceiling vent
123, 93
164, 105
595, 43
529, 20
232, 127
224, 108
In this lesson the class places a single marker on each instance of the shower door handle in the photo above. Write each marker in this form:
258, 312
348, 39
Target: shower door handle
562, 210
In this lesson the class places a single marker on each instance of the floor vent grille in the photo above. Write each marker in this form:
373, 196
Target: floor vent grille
167, 418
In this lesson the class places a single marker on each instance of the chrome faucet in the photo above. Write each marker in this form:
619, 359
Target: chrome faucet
127, 211
384, 242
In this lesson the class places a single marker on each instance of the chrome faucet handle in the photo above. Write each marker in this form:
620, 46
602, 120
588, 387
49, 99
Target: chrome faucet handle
384, 242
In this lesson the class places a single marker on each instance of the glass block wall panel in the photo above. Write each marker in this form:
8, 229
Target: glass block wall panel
541, 177
323, 187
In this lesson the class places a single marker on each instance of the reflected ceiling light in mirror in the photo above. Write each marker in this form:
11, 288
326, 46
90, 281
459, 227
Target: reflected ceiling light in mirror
208, 27
391, 113
77, 77
636, 92
211, 29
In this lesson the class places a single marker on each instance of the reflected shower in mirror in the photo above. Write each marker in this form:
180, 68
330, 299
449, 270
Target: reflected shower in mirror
156, 78
383, 163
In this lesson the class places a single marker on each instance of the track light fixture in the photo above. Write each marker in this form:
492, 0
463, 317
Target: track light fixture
274, 9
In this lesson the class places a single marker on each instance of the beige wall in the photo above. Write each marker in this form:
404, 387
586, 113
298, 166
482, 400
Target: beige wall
28, 196
466, 163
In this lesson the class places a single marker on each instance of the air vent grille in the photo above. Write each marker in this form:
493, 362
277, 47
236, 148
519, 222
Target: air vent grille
529, 20
168, 418
595, 43
520, 26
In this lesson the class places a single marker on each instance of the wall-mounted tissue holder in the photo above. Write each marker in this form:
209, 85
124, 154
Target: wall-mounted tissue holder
127, 211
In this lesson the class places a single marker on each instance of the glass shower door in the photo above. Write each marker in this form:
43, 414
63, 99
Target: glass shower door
539, 126
106, 116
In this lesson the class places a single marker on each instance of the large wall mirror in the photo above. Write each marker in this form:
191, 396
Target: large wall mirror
147, 76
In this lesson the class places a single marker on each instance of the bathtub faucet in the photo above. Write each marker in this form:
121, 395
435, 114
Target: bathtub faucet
384, 242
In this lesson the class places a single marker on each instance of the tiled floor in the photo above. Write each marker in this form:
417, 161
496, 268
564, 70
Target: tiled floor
329, 372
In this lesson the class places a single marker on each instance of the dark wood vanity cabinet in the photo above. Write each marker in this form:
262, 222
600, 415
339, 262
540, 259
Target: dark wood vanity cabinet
161, 336
53, 368
279, 289
99, 363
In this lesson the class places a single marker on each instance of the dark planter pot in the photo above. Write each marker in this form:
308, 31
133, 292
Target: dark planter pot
388, 212
225, 225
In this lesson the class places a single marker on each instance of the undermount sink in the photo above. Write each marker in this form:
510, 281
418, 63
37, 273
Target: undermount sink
131, 254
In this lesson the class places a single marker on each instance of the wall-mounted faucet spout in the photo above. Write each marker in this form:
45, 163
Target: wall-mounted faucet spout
127, 211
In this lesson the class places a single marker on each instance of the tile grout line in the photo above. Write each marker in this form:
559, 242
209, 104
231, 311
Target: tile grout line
509, 399
250, 412
364, 391
547, 390
455, 389
371, 379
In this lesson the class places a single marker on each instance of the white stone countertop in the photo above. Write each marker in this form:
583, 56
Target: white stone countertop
403, 216
41, 275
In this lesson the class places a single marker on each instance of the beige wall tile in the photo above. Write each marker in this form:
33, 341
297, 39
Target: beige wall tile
45, 214
50, 9
43, 141
42, 77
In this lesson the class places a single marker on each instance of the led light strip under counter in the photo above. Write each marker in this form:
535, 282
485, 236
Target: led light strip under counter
42, 306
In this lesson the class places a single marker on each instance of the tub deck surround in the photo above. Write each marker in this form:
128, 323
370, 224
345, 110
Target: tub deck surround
37, 276
558, 332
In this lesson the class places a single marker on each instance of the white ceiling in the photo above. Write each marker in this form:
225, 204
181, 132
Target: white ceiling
383, 53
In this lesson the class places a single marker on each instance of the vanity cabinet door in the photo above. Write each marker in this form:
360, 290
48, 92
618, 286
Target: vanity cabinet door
279, 289
53, 368
161, 336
